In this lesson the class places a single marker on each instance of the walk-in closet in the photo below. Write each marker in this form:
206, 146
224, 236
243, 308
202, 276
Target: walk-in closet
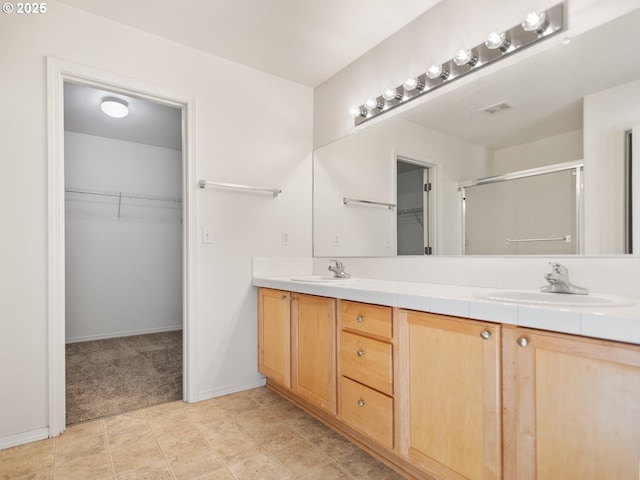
123, 253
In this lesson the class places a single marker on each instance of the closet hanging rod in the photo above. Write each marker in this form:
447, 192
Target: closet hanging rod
347, 200
206, 183
107, 193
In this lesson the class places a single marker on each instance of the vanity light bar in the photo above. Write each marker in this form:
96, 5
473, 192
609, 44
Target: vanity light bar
536, 26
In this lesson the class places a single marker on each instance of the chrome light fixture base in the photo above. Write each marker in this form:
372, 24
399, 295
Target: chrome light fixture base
515, 39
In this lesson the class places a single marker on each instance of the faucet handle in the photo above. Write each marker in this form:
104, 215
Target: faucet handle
559, 268
338, 263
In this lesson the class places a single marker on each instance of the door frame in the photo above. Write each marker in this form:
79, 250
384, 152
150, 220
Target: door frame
59, 71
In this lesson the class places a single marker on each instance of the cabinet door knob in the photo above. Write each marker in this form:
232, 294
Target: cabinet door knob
360, 319
486, 334
361, 403
523, 342
360, 353
284, 296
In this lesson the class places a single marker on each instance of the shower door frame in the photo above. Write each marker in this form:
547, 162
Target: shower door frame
58, 72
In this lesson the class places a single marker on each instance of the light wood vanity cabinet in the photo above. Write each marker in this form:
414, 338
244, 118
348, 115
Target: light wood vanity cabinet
450, 398
297, 344
313, 349
450, 391
571, 407
366, 390
274, 335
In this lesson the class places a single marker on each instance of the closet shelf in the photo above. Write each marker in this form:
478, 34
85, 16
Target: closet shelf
107, 193
121, 195
410, 210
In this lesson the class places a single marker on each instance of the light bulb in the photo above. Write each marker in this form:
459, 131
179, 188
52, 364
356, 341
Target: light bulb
465, 57
534, 22
114, 107
371, 104
497, 40
355, 110
410, 84
436, 71
390, 94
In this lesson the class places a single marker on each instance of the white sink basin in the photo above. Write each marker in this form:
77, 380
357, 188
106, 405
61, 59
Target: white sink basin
532, 297
320, 279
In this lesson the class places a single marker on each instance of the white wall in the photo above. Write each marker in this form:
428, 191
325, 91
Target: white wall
434, 37
363, 166
607, 115
123, 272
565, 147
235, 142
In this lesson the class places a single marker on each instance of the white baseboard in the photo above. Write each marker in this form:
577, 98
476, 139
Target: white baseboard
128, 333
22, 438
259, 381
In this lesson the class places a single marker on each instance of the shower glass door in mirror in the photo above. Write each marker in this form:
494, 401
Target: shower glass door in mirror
525, 213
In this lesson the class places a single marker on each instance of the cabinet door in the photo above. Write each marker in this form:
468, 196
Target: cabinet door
572, 407
274, 335
451, 400
314, 349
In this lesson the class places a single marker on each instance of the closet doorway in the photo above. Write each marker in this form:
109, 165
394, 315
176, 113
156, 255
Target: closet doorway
414, 218
60, 72
123, 252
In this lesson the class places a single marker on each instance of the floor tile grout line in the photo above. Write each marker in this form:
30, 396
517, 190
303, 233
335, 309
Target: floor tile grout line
106, 443
55, 457
155, 438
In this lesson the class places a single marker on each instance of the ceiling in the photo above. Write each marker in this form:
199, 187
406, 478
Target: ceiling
305, 41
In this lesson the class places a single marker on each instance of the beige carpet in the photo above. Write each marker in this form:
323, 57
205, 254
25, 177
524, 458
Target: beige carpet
117, 375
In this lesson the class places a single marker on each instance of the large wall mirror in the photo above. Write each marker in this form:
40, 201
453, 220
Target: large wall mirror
533, 158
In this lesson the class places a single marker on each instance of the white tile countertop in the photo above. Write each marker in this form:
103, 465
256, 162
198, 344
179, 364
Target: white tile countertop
620, 323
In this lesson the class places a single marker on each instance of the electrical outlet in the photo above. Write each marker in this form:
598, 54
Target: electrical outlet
285, 239
336, 239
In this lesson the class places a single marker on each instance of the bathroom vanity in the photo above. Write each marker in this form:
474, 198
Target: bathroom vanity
397, 369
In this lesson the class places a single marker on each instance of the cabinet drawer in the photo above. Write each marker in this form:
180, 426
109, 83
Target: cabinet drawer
366, 360
368, 319
367, 411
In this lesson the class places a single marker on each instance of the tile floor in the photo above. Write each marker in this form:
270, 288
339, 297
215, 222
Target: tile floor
251, 435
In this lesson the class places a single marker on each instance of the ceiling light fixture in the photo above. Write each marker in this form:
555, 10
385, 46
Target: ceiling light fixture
115, 107
536, 26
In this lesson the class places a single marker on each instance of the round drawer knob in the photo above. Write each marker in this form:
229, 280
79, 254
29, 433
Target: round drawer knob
486, 334
523, 342
361, 403
360, 319
360, 353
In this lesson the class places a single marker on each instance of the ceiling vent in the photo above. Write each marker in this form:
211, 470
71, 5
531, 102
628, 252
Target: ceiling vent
498, 107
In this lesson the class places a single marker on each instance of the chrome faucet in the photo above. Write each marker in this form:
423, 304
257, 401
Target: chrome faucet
338, 269
559, 282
